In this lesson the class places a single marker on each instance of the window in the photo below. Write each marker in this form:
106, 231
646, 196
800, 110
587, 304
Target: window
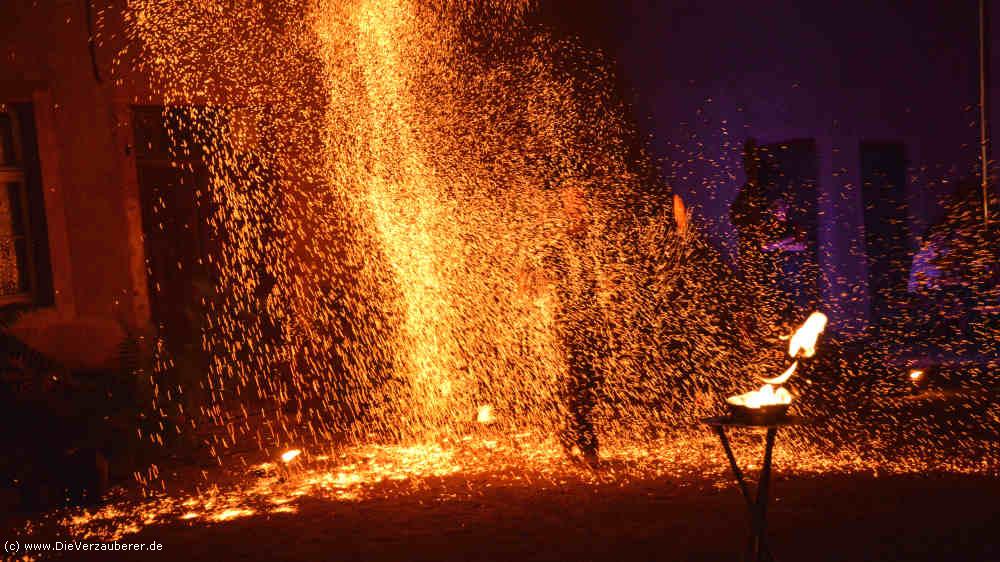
23, 244
174, 188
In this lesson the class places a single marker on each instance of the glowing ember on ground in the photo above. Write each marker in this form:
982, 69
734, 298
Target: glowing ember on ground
227, 514
458, 469
290, 455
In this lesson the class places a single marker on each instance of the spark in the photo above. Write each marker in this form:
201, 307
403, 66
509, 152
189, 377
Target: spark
485, 414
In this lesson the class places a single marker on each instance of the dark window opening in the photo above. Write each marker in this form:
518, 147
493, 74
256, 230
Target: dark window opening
25, 270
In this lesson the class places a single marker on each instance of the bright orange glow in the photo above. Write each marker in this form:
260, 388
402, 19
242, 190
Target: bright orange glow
361, 473
485, 414
804, 339
916, 374
234, 513
766, 396
290, 455
680, 214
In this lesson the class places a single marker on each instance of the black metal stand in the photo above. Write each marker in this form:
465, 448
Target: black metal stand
757, 549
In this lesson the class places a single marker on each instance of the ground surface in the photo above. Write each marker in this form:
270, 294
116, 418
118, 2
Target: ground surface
843, 518
455, 515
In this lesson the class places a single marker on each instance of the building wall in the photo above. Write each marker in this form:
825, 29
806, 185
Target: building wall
705, 76
88, 177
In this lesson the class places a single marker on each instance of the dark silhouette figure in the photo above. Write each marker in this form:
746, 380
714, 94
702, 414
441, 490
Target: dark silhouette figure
570, 267
579, 321
747, 211
771, 215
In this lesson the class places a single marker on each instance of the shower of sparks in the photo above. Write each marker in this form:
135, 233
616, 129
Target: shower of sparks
382, 175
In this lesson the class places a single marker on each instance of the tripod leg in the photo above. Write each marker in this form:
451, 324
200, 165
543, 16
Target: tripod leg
763, 489
737, 473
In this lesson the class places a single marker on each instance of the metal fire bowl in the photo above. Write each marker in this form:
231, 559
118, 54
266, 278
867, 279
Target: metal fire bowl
758, 416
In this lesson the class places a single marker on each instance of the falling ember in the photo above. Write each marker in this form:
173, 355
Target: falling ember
290, 455
485, 414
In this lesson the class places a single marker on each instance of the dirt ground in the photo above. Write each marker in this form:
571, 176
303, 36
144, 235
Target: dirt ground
815, 518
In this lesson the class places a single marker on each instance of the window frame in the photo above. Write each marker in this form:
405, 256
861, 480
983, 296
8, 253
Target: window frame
15, 173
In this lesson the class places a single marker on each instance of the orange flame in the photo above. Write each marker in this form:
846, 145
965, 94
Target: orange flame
803, 342
290, 455
680, 214
766, 396
804, 339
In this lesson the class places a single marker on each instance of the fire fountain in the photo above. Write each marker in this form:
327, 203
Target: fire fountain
411, 152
